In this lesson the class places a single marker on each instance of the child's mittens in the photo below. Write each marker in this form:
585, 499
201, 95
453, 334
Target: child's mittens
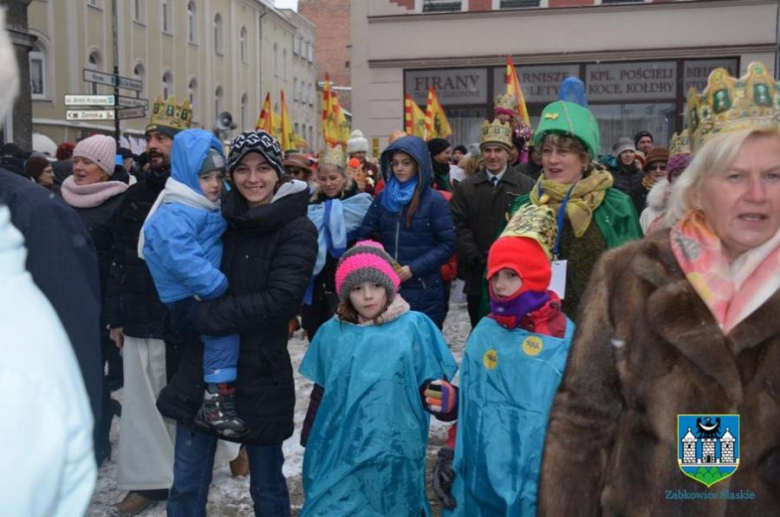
440, 397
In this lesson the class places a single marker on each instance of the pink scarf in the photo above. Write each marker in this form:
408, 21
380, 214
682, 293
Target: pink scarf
92, 195
733, 291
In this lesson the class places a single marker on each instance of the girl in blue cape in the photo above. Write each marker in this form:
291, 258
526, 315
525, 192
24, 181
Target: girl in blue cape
510, 371
366, 442
181, 241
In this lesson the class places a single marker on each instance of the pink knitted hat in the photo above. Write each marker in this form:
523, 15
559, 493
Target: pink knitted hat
100, 149
366, 261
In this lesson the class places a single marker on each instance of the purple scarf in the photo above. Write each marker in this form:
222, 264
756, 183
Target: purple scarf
509, 312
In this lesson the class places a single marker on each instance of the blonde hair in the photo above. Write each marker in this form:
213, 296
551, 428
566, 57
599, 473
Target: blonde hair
318, 191
470, 164
716, 157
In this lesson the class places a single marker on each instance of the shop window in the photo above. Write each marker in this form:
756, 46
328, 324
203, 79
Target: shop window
192, 93
218, 101
518, 4
625, 120
441, 6
244, 111
94, 62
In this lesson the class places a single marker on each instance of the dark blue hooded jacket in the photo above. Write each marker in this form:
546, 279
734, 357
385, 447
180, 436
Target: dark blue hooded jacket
183, 244
425, 244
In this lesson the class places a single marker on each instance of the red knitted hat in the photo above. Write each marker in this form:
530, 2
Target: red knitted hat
525, 257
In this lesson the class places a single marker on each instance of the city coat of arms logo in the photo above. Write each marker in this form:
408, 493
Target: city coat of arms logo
708, 446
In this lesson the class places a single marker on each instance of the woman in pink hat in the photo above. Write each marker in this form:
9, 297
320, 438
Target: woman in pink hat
95, 198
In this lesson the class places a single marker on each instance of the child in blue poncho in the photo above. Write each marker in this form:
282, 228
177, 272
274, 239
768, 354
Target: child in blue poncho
511, 368
367, 427
181, 242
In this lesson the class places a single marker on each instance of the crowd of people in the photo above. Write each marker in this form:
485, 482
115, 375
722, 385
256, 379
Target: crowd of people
606, 295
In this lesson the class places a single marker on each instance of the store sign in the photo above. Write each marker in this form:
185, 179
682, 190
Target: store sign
616, 82
540, 84
453, 87
697, 72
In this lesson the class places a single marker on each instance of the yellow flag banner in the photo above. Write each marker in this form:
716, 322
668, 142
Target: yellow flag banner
436, 123
513, 88
266, 119
341, 127
328, 116
414, 118
285, 139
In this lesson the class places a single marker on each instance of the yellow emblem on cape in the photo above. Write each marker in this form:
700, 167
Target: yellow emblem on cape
532, 345
551, 116
490, 359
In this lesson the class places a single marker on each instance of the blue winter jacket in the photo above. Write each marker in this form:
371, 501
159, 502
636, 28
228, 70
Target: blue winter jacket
183, 245
425, 244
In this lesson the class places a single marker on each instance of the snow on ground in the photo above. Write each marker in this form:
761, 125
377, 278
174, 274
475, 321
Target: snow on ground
229, 496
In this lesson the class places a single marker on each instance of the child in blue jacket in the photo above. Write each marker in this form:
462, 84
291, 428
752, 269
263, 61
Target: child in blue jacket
181, 242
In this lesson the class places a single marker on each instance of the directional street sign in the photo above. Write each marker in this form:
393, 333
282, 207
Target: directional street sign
89, 100
92, 76
89, 115
139, 112
132, 102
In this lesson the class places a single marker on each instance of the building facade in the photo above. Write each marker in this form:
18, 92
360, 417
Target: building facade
301, 96
333, 34
637, 58
222, 55
18, 126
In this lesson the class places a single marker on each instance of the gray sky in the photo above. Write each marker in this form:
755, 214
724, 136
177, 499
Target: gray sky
288, 4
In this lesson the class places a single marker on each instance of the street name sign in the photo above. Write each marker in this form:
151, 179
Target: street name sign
89, 100
138, 112
89, 115
93, 76
132, 102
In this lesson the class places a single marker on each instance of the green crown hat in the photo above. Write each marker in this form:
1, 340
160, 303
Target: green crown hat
569, 119
733, 103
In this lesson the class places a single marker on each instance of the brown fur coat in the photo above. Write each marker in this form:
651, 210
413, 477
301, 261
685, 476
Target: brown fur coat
648, 349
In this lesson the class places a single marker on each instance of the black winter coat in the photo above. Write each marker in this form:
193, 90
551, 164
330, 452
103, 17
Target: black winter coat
98, 221
479, 212
627, 178
64, 266
131, 299
268, 259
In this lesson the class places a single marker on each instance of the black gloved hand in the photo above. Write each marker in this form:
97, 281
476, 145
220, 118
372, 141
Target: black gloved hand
183, 314
443, 476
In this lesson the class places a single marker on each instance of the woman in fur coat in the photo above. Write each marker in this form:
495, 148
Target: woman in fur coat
683, 322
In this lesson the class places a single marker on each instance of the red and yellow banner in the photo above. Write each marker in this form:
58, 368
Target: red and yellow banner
266, 120
513, 88
414, 118
286, 136
436, 123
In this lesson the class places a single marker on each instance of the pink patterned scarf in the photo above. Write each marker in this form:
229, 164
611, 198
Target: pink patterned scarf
733, 291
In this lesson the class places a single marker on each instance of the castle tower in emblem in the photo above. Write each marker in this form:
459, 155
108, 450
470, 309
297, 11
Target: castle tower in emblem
727, 447
689, 447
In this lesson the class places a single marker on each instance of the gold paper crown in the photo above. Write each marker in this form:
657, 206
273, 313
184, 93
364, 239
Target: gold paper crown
496, 133
505, 101
535, 222
170, 115
334, 156
728, 104
680, 144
